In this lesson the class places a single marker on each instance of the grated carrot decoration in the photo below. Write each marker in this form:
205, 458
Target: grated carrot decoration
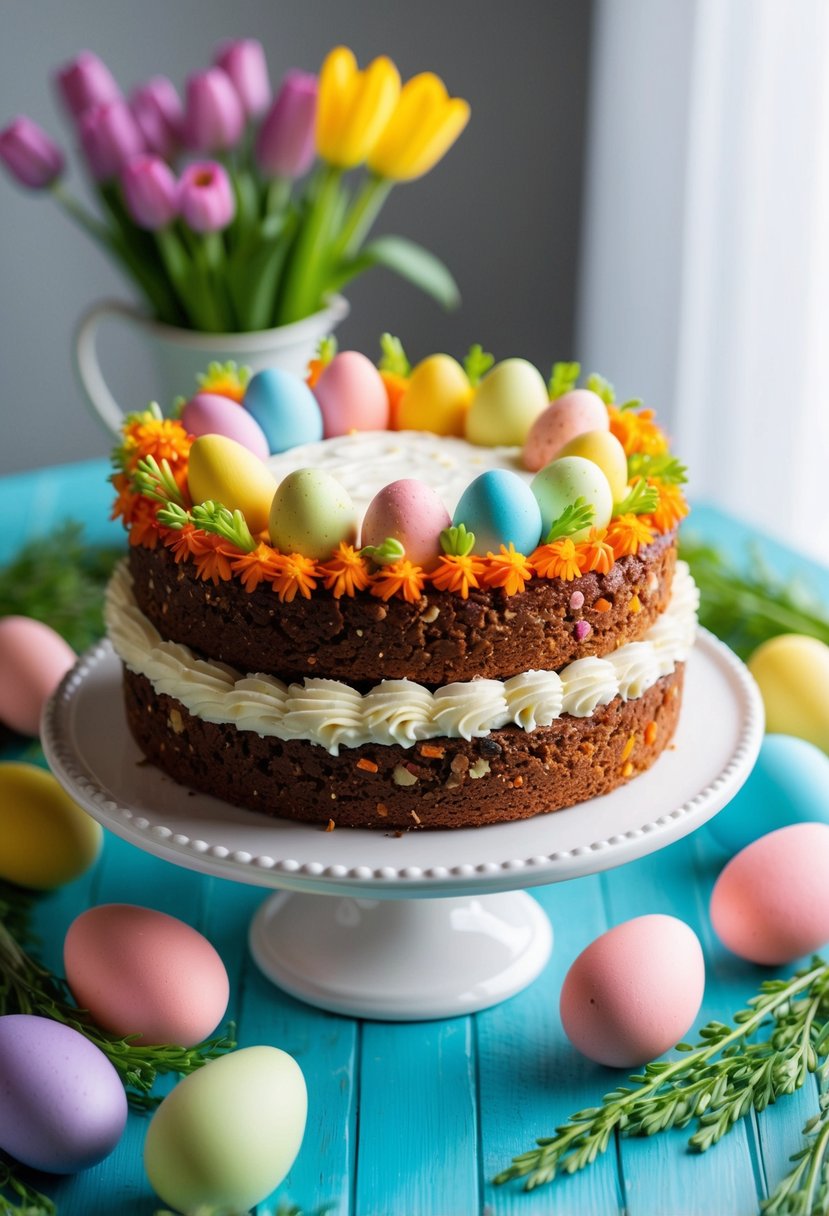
294, 573
560, 559
400, 578
628, 533
507, 569
457, 573
346, 572
595, 553
257, 567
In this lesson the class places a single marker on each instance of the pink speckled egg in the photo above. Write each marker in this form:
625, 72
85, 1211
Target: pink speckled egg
771, 902
570, 415
634, 992
212, 414
411, 512
33, 661
351, 396
141, 972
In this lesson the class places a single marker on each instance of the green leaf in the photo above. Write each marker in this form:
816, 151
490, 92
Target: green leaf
230, 525
406, 258
603, 388
641, 499
664, 467
393, 357
254, 274
578, 515
386, 554
477, 363
457, 541
563, 378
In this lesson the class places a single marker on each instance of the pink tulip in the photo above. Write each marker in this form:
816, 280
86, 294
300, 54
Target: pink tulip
150, 192
157, 109
244, 62
86, 82
205, 197
110, 137
29, 154
285, 145
215, 118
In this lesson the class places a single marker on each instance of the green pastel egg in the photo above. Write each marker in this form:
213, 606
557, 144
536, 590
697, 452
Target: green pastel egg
228, 1133
604, 450
311, 513
562, 482
223, 471
45, 838
506, 404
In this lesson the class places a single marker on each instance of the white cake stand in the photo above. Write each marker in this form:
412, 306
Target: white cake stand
350, 929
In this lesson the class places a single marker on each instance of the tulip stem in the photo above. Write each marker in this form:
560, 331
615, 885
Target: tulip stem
276, 199
363, 213
79, 214
310, 259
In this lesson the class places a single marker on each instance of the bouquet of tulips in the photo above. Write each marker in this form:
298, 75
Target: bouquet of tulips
234, 210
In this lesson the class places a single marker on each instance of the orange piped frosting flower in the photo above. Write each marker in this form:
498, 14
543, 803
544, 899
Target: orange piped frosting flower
259, 566
294, 574
346, 573
595, 553
628, 533
671, 510
143, 526
637, 431
185, 543
225, 380
560, 559
214, 562
458, 572
163, 438
399, 578
507, 569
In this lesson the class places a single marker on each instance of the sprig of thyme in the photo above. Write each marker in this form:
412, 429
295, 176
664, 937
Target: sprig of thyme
640, 499
579, 514
717, 1082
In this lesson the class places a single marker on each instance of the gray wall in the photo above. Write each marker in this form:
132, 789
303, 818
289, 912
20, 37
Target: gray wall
502, 210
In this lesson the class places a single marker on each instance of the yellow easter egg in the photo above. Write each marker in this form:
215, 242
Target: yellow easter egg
604, 450
792, 672
45, 837
311, 513
506, 404
223, 471
437, 398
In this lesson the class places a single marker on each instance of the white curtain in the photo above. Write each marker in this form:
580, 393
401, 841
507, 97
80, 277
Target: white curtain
705, 279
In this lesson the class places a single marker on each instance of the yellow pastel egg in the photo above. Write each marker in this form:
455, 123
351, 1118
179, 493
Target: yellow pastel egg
311, 513
223, 471
437, 398
604, 450
45, 838
506, 404
793, 674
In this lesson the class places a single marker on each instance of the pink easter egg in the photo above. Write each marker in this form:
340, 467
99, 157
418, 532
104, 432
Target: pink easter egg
351, 396
570, 415
212, 414
771, 902
411, 512
33, 661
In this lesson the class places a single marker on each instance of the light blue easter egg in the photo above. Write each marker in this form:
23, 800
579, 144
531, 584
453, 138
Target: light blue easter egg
788, 784
285, 408
499, 507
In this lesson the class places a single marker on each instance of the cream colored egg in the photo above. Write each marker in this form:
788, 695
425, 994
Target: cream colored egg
562, 482
603, 449
311, 514
228, 1133
223, 471
45, 838
793, 674
506, 404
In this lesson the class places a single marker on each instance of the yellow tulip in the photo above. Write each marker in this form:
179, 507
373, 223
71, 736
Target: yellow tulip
424, 125
353, 107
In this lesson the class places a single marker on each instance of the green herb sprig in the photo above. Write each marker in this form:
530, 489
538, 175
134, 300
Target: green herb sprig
805, 1189
716, 1083
20, 1199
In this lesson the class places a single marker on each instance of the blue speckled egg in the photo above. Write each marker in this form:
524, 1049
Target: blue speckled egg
285, 408
788, 784
499, 507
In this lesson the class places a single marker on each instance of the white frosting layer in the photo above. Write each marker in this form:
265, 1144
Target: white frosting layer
334, 715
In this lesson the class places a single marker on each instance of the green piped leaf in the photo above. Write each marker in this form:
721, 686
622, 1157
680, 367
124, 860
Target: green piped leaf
663, 467
477, 363
580, 514
386, 554
239, 373
327, 348
563, 379
640, 500
635, 403
157, 481
230, 525
393, 357
456, 541
174, 517
601, 387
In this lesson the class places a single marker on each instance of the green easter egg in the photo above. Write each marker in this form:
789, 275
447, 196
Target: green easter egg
311, 514
562, 482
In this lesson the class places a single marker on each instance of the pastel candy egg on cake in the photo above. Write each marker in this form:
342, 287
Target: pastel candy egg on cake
222, 470
410, 512
501, 509
284, 408
561, 420
605, 450
311, 514
351, 396
33, 661
562, 483
437, 398
213, 414
506, 404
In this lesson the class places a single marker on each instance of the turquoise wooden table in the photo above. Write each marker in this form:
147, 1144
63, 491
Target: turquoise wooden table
415, 1119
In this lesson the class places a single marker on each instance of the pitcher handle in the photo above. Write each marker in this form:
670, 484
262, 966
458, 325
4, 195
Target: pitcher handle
88, 369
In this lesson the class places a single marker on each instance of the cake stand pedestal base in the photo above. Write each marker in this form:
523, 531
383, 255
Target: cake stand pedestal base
402, 959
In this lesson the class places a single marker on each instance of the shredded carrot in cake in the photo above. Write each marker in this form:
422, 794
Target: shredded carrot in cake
559, 559
456, 572
294, 573
507, 569
346, 572
628, 533
403, 578
257, 567
368, 766
595, 553
602, 605
671, 510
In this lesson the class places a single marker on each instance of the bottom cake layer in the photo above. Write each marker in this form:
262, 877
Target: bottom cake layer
443, 783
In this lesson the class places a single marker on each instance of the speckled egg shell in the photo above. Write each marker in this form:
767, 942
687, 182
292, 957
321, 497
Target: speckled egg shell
351, 395
411, 512
771, 902
222, 470
63, 1106
605, 450
506, 404
634, 992
560, 483
793, 674
141, 972
572, 414
311, 514
212, 414
284, 408
33, 661
46, 840
437, 398
501, 509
